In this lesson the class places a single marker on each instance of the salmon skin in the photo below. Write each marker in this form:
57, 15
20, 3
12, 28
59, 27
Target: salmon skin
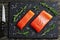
41, 20
25, 19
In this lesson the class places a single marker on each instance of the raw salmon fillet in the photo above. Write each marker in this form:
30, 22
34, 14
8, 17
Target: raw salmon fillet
41, 20
25, 19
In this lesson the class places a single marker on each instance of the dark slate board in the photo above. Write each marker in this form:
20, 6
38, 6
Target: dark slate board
14, 7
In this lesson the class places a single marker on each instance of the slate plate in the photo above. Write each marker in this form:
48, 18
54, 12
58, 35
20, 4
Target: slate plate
14, 8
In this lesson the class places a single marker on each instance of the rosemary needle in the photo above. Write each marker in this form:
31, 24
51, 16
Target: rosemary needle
49, 29
15, 16
24, 33
36, 7
50, 8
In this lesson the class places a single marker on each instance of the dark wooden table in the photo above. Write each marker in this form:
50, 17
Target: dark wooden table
5, 26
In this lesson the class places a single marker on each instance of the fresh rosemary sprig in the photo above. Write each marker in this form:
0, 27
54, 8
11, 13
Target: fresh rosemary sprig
15, 16
36, 7
50, 8
24, 33
49, 29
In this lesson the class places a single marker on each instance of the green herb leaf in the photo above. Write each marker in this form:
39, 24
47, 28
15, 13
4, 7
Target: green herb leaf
24, 33
36, 7
50, 8
15, 16
49, 29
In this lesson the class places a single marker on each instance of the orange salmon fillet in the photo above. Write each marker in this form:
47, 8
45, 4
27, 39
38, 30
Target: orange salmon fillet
41, 20
21, 24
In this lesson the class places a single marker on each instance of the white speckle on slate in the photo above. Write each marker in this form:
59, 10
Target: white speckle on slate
16, 10
14, 27
17, 19
37, 12
45, 28
21, 3
19, 16
54, 33
2, 28
23, 13
31, 30
11, 24
13, 33
32, 33
30, 6
13, 6
39, 35
49, 11
27, 28
51, 35
54, 5
51, 22
16, 3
